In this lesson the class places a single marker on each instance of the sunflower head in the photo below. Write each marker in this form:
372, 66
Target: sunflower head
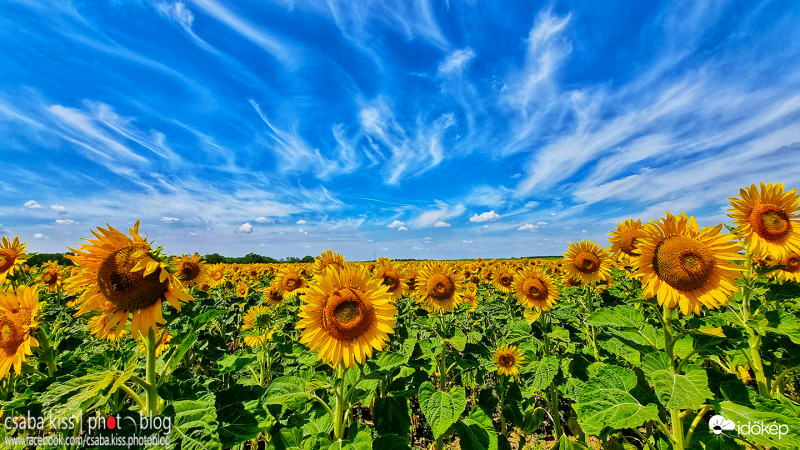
684, 265
503, 278
259, 323
189, 269
273, 296
626, 237
51, 277
586, 262
439, 287
19, 312
535, 289
345, 315
508, 361
12, 257
789, 269
768, 220
290, 281
161, 345
327, 259
391, 275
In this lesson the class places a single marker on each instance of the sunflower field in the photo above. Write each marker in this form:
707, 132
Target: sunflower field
671, 337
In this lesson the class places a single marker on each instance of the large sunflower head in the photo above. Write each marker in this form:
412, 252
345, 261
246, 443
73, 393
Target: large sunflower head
51, 277
327, 259
189, 269
345, 315
626, 237
535, 289
586, 262
290, 281
12, 257
768, 219
503, 278
684, 265
508, 361
18, 319
259, 325
438, 287
124, 279
391, 275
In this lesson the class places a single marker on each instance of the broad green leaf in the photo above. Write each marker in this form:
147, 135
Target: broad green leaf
232, 363
241, 415
360, 436
618, 348
606, 401
458, 341
543, 373
391, 442
195, 423
512, 399
687, 391
785, 324
533, 419
752, 412
287, 439
342, 445
287, 391
391, 416
319, 421
320, 441
476, 431
617, 316
654, 362
441, 409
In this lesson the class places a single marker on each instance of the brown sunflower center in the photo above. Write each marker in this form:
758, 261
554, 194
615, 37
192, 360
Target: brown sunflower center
126, 289
11, 333
391, 279
291, 282
534, 289
189, 271
792, 263
587, 262
218, 275
48, 278
440, 287
347, 314
683, 262
7, 258
505, 279
507, 360
629, 239
769, 221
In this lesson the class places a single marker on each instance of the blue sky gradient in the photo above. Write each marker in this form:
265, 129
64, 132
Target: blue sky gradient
400, 128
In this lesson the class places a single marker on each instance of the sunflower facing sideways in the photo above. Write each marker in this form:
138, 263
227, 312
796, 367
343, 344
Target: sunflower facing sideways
123, 280
345, 315
768, 219
438, 287
535, 289
391, 275
626, 237
586, 262
189, 269
683, 265
12, 256
18, 319
508, 361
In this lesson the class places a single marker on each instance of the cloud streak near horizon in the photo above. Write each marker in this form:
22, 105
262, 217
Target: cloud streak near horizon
430, 129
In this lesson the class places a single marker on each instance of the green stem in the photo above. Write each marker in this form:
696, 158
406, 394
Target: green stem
134, 396
589, 328
552, 391
47, 351
675, 414
338, 418
150, 375
776, 384
754, 340
695, 422
502, 391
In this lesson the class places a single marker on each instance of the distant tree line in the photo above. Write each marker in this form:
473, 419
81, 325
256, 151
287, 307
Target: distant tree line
253, 258
38, 259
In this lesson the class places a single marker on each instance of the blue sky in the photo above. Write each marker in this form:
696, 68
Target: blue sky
402, 128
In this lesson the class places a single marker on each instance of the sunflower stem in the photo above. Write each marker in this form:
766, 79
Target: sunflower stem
134, 396
47, 351
669, 346
339, 417
754, 339
150, 374
502, 392
695, 422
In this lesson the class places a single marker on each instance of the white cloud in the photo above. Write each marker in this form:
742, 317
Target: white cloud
169, 219
541, 224
531, 205
440, 224
528, 227
396, 224
488, 216
302, 231
584, 231
59, 209
245, 228
178, 12
32, 204
457, 61
263, 219
402, 229
552, 214
39, 236
467, 242
431, 218
300, 222
65, 222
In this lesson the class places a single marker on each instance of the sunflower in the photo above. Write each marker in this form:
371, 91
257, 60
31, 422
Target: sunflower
51, 277
790, 269
189, 268
18, 318
346, 314
290, 281
503, 278
97, 326
439, 287
12, 257
242, 288
327, 259
273, 296
216, 275
161, 345
687, 266
586, 262
535, 289
626, 237
123, 279
392, 275
261, 320
508, 361
768, 219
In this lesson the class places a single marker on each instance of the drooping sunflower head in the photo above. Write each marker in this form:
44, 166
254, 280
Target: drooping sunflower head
345, 315
97, 326
626, 237
586, 262
161, 344
12, 257
768, 220
391, 275
259, 325
535, 289
189, 269
503, 278
51, 277
123, 278
439, 287
290, 281
327, 259
18, 320
683, 265
508, 361
789, 270
273, 296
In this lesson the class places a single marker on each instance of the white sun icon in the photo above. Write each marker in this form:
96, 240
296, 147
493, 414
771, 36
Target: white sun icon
718, 424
